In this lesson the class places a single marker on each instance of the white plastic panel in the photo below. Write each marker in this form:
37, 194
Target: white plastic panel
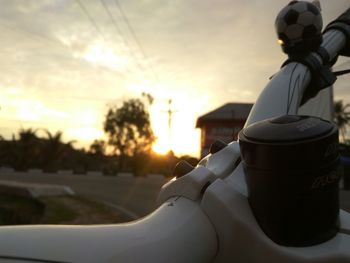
189, 185
242, 240
178, 231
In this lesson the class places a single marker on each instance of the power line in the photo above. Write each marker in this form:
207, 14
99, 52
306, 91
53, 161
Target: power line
116, 26
138, 43
119, 31
346, 63
44, 39
125, 18
95, 24
34, 35
91, 19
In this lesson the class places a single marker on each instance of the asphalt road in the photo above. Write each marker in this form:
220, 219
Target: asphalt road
344, 197
134, 196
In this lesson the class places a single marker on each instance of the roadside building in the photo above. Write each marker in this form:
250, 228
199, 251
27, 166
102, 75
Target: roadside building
223, 123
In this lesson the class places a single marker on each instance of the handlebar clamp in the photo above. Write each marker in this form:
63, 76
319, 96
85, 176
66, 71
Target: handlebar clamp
322, 76
342, 24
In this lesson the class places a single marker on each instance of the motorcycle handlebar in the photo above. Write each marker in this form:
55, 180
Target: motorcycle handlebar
178, 231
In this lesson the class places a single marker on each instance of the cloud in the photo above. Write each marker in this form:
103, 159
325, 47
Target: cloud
223, 50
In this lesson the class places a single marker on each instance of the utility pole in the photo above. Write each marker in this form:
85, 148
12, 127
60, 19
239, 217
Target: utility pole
170, 113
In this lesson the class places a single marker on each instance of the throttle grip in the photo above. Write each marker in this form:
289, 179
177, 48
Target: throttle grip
342, 23
344, 17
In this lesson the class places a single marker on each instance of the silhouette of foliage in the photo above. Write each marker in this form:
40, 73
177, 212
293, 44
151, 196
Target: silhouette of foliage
129, 130
98, 147
29, 151
53, 150
26, 149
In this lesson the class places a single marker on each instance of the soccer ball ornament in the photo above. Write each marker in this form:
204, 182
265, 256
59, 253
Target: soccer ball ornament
299, 27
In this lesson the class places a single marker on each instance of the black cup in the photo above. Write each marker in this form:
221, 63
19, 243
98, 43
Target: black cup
291, 172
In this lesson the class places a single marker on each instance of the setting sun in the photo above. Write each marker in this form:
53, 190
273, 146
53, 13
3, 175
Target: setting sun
182, 138
161, 146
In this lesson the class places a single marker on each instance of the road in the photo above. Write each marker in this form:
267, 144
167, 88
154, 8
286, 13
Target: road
344, 197
134, 196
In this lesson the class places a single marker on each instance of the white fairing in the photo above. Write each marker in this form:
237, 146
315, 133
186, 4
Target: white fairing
283, 93
286, 101
319, 106
276, 99
241, 239
178, 231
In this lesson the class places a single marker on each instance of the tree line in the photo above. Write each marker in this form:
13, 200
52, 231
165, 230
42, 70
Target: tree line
128, 147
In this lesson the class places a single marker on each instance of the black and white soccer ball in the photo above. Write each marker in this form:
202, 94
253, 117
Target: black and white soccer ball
299, 27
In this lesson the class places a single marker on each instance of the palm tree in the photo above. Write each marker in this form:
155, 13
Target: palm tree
341, 117
53, 150
26, 149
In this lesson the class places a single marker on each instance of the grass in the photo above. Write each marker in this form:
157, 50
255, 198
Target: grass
20, 210
56, 211
15, 210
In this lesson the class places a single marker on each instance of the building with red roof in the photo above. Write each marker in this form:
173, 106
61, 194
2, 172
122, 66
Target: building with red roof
223, 123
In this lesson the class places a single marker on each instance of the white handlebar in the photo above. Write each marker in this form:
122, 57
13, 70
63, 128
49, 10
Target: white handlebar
283, 93
178, 231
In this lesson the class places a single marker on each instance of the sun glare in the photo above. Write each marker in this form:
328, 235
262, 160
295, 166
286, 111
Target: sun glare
85, 134
183, 138
161, 146
102, 55
32, 110
186, 141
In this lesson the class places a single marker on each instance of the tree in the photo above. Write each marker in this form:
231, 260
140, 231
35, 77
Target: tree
22, 153
26, 149
53, 150
341, 117
129, 130
98, 147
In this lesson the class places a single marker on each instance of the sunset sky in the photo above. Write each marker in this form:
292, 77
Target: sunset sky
63, 62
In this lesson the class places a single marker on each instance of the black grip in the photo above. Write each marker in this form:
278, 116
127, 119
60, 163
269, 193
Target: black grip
345, 17
342, 23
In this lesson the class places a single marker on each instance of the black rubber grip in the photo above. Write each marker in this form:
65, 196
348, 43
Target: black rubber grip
342, 23
345, 17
